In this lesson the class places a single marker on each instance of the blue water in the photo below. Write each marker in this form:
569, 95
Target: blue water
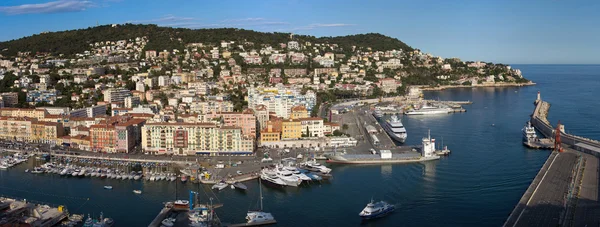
477, 185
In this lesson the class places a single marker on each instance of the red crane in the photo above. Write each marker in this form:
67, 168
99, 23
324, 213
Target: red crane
557, 142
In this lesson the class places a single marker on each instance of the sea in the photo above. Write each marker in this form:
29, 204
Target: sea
477, 185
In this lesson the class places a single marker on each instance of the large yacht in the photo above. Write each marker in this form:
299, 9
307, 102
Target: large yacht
428, 110
395, 129
529, 133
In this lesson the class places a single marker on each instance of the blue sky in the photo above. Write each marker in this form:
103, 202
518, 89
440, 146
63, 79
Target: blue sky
546, 32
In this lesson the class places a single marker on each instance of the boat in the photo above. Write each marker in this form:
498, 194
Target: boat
395, 129
137, 177
377, 113
239, 185
529, 134
137, 191
169, 222
220, 186
288, 177
172, 178
181, 204
259, 216
313, 165
428, 110
299, 156
272, 179
376, 209
108, 187
37, 170
183, 178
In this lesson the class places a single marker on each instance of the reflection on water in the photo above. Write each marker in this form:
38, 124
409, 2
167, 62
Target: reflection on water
386, 170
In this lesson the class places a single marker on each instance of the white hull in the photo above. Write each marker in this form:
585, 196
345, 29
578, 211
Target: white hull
429, 112
400, 137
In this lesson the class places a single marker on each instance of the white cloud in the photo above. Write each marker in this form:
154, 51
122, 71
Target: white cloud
58, 6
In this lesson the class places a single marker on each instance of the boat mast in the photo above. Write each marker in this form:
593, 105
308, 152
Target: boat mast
260, 192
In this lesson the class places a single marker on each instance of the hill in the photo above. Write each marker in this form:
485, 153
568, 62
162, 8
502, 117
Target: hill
166, 38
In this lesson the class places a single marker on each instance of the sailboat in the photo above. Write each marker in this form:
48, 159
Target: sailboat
259, 217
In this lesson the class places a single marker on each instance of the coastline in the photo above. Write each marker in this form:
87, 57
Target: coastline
500, 84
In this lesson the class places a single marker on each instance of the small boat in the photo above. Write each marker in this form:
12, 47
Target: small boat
27, 170
108, 187
299, 156
181, 204
183, 178
220, 186
239, 185
172, 178
169, 222
376, 209
137, 177
137, 191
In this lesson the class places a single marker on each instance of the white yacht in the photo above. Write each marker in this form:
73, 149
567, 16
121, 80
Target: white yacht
273, 179
428, 110
395, 129
376, 209
314, 166
288, 177
220, 186
529, 133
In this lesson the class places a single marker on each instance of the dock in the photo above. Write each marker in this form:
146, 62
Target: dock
565, 190
24, 213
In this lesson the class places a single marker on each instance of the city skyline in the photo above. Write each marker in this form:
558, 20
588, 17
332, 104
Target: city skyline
505, 32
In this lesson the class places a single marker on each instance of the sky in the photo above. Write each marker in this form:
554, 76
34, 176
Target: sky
503, 31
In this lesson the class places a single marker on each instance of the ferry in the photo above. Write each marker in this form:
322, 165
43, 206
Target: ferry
395, 129
529, 134
428, 110
376, 209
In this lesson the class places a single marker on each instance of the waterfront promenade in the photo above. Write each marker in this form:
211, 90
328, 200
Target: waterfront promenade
565, 191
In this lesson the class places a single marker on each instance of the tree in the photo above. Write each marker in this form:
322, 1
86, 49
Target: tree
344, 127
337, 133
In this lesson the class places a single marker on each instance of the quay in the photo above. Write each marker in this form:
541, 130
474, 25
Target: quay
544, 143
565, 190
14, 212
270, 222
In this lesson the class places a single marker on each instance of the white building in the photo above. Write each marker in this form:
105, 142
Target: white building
164, 81
280, 99
116, 94
293, 45
140, 86
132, 101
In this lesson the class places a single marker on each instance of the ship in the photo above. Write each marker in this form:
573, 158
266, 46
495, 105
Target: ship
376, 209
395, 129
427, 153
529, 134
428, 110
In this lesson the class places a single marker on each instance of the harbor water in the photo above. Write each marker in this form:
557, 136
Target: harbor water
477, 185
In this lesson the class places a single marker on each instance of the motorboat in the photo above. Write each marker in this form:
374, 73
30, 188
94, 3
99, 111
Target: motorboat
184, 178
182, 204
376, 209
169, 222
314, 166
395, 129
137, 191
239, 185
428, 110
108, 187
272, 179
220, 186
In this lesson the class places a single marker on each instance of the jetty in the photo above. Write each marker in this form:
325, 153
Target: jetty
565, 190
17, 212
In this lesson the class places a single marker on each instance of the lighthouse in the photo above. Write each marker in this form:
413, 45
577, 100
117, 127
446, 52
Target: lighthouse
539, 97
428, 146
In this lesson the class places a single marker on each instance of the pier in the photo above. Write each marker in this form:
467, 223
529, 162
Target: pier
565, 190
